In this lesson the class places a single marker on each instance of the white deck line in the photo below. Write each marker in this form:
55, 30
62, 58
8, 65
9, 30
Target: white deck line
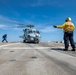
8, 45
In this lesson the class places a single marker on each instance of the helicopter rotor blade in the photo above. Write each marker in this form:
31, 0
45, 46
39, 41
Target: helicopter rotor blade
18, 25
12, 22
5, 21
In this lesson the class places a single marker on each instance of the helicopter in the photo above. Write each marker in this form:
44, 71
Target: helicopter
30, 34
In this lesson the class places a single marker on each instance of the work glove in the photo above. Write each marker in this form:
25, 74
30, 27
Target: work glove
55, 26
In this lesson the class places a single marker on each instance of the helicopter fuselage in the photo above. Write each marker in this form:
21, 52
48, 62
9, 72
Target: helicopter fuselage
31, 35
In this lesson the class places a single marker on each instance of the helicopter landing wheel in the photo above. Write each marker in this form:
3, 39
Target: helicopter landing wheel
36, 41
24, 41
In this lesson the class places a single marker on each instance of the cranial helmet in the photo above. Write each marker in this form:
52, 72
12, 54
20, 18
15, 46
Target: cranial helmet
68, 19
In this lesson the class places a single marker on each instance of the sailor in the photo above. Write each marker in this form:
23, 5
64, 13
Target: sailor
4, 38
68, 28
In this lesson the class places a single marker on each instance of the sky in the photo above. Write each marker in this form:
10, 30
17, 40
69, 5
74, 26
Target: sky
43, 14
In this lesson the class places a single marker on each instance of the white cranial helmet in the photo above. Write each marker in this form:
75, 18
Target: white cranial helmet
68, 19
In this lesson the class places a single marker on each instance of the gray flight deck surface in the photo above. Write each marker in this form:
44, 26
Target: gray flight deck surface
36, 59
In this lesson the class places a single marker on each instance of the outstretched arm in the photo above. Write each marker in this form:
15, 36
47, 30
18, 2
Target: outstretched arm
61, 26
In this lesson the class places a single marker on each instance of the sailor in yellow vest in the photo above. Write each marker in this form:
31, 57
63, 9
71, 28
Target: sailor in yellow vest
68, 28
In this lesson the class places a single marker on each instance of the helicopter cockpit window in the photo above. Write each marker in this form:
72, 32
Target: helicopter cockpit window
34, 31
29, 31
26, 30
38, 32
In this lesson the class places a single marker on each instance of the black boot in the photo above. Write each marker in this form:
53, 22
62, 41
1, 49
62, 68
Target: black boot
73, 49
65, 49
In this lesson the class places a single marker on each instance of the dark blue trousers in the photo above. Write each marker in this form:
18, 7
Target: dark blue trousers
68, 37
4, 40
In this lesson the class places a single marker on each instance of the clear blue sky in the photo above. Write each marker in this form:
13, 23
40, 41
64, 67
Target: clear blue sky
42, 13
